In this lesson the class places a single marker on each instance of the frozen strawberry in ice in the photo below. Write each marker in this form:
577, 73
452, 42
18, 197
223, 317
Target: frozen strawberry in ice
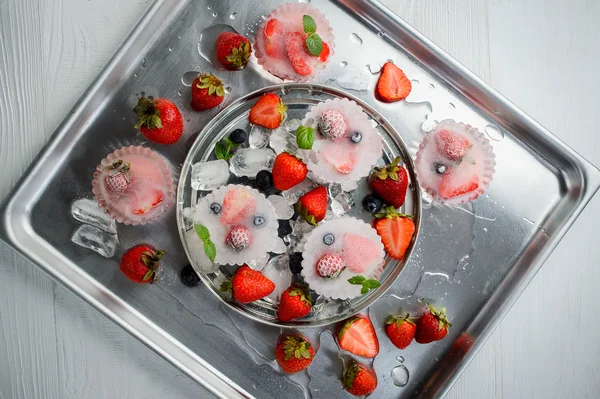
455, 163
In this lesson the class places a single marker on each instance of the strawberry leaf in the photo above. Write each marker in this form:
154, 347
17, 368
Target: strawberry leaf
305, 137
309, 24
314, 44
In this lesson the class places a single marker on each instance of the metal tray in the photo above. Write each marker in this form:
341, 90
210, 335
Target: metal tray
474, 259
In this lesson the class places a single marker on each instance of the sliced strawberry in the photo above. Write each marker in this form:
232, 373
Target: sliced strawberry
393, 85
238, 204
274, 41
154, 198
301, 60
268, 111
325, 52
396, 232
358, 336
453, 146
453, 186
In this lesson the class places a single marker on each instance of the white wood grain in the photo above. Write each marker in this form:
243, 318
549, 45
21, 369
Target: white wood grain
539, 53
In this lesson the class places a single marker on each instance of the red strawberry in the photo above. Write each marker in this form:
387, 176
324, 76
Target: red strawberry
154, 198
396, 231
390, 183
313, 205
238, 204
330, 265
294, 353
453, 186
432, 326
288, 171
118, 179
301, 59
233, 50
238, 238
393, 85
358, 379
400, 330
268, 111
248, 285
295, 303
207, 92
325, 52
159, 120
140, 263
358, 336
331, 124
274, 46
451, 145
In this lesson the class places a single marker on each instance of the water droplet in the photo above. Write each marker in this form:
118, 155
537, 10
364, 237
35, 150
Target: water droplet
485, 229
426, 199
179, 93
170, 49
233, 15
228, 89
431, 86
428, 125
188, 78
214, 14
400, 375
379, 34
374, 69
354, 38
451, 106
414, 81
343, 64
135, 75
209, 8
400, 359
263, 17
284, 90
494, 132
144, 63
304, 1
188, 119
179, 37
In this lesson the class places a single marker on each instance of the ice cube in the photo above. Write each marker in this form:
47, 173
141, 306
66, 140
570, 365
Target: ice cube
341, 204
249, 161
259, 136
96, 239
278, 271
88, 211
291, 125
293, 194
279, 247
209, 175
283, 209
259, 263
188, 217
334, 189
295, 243
282, 140
300, 227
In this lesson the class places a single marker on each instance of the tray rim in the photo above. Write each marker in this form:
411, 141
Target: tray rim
18, 234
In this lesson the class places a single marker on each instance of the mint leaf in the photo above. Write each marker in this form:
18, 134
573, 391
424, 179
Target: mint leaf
367, 285
202, 232
305, 137
314, 44
220, 151
210, 250
372, 284
309, 24
356, 280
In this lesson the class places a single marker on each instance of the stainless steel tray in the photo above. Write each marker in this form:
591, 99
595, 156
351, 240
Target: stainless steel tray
475, 259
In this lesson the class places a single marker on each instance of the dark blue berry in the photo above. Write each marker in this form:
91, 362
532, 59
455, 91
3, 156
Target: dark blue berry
284, 228
372, 204
356, 137
328, 239
259, 220
238, 136
296, 262
189, 276
440, 168
216, 208
264, 180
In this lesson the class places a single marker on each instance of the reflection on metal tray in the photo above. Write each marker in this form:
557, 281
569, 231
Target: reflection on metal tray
475, 259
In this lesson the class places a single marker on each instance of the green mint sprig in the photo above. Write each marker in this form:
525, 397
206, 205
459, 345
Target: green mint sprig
224, 149
209, 247
305, 137
313, 40
367, 284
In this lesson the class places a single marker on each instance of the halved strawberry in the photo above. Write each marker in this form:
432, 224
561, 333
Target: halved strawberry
150, 202
238, 204
396, 231
393, 85
274, 40
301, 59
325, 52
342, 156
453, 146
268, 111
358, 336
453, 186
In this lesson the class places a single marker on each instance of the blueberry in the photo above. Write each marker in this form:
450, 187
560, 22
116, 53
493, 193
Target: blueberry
189, 276
259, 220
372, 204
440, 168
284, 228
296, 262
216, 208
356, 137
328, 239
264, 180
238, 136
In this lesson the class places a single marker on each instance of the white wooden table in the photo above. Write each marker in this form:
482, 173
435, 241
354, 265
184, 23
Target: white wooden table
541, 54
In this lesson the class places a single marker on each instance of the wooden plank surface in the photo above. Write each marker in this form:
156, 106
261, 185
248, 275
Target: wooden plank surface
539, 53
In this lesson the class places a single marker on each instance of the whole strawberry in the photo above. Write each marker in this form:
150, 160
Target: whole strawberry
294, 353
233, 50
118, 179
400, 330
358, 379
248, 285
390, 183
313, 205
330, 266
238, 238
140, 263
207, 92
295, 303
331, 124
288, 171
159, 120
432, 326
